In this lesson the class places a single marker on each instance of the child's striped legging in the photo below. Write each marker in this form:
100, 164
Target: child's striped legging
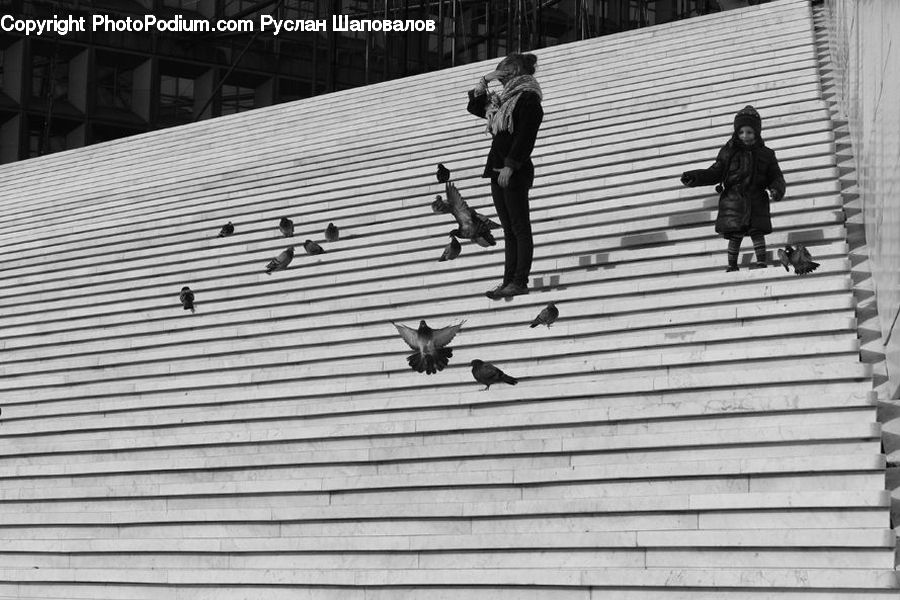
734, 248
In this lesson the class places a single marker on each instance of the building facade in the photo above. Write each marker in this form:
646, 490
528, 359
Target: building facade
66, 91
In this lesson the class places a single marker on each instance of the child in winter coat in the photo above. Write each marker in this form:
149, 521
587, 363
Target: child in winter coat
748, 177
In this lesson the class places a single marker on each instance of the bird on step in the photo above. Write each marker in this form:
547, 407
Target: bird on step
312, 248
286, 227
547, 317
443, 173
332, 233
187, 298
799, 258
280, 262
488, 374
227, 229
431, 352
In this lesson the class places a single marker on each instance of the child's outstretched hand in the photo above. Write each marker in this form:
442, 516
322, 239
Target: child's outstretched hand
688, 179
771, 194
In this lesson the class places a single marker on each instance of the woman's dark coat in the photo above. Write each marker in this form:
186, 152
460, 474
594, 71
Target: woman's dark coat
744, 173
512, 149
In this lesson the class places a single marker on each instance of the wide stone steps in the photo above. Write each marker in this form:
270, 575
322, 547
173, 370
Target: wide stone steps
815, 188
596, 577
684, 130
485, 592
455, 297
574, 252
785, 16
670, 327
566, 394
574, 278
528, 467
339, 273
619, 350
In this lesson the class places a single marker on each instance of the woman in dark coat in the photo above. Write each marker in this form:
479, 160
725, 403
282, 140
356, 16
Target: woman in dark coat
513, 117
748, 177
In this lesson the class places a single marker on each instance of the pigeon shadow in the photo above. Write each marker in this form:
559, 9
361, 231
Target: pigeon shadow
341, 239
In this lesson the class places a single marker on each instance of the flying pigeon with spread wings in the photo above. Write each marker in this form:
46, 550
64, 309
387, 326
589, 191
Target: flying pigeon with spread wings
472, 226
431, 352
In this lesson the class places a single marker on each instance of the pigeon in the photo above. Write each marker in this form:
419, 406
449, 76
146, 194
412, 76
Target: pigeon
280, 262
332, 233
227, 229
488, 374
286, 226
472, 226
443, 173
451, 251
430, 354
187, 298
799, 258
439, 206
312, 248
547, 317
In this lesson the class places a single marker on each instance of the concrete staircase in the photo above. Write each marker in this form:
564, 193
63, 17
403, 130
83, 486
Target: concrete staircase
680, 432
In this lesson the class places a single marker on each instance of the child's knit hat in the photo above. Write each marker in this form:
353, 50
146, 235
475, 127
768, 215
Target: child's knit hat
748, 116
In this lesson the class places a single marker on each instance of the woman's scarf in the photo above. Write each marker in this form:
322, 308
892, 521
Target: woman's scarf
500, 108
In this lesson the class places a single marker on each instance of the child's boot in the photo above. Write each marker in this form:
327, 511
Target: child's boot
734, 248
759, 248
